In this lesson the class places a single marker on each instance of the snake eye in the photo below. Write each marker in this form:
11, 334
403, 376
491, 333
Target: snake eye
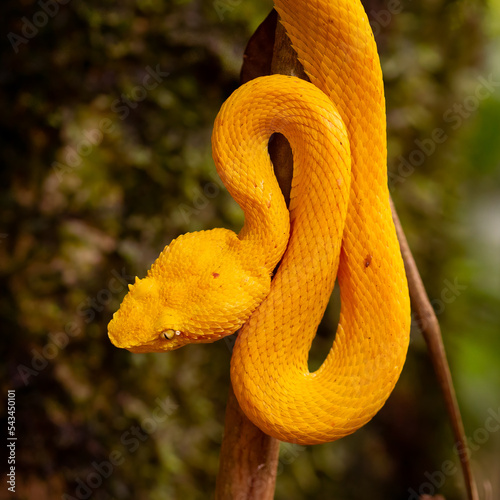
168, 334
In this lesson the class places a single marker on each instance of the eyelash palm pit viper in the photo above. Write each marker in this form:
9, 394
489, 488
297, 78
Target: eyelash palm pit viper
208, 284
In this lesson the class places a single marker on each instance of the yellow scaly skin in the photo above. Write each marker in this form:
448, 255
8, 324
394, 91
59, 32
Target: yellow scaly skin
206, 285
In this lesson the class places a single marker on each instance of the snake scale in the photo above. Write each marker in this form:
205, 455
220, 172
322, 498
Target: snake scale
208, 284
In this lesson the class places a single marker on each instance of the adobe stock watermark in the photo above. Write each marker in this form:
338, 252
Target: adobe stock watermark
200, 199
449, 293
455, 116
383, 17
87, 310
30, 28
222, 7
121, 107
437, 479
130, 441
288, 454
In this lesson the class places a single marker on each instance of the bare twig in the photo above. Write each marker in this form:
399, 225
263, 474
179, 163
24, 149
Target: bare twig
428, 323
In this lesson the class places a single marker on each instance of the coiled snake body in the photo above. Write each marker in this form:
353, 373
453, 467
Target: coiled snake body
208, 284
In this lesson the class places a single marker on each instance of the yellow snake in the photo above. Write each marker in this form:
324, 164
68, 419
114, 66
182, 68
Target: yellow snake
208, 284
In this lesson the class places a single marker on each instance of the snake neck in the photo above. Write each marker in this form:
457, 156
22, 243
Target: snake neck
266, 229
243, 163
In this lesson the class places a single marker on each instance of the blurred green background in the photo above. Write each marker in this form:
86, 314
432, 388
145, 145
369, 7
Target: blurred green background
107, 110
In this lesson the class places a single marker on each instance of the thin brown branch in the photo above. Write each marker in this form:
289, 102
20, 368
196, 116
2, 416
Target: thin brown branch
429, 325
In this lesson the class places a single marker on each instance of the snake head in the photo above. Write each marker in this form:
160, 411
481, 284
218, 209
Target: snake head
202, 287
